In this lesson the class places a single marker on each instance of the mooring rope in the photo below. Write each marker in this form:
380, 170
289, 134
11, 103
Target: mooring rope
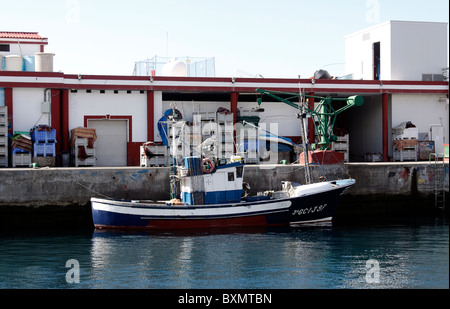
81, 184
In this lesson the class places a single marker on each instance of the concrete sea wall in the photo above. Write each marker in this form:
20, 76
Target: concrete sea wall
68, 186
66, 190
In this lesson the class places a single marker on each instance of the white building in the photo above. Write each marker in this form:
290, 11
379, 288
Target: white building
21, 43
125, 109
24, 51
398, 50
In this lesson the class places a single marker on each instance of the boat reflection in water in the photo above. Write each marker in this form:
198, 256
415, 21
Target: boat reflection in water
221, 258
409, 256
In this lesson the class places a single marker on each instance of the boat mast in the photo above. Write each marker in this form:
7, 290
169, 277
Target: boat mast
173, 170
304, 138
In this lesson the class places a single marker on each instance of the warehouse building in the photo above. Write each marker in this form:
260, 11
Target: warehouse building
125, 110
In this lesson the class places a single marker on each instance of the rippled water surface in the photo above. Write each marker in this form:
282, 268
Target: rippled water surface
413, 255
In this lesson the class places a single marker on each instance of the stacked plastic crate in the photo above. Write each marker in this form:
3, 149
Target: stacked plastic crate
405, 144
21, 149
44, 141
177, 135
209, 138
248, 135
196, 136
154, 154
83, 154
3, 136
225, 131
342, 145
214, 132
82, 146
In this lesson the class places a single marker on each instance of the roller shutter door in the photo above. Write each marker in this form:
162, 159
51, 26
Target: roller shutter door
111, 143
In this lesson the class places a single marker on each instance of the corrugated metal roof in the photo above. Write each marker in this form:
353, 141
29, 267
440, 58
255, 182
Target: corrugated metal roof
21, 35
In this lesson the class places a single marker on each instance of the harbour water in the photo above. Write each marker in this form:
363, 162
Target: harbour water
388, 255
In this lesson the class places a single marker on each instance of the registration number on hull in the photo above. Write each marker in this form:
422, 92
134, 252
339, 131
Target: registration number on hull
309, 210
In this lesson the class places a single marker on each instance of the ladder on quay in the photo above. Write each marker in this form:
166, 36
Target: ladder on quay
440, 182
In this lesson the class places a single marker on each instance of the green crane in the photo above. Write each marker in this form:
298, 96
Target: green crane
324, 112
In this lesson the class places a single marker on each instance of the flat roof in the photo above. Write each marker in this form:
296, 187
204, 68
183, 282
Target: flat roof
21, 79
389, 22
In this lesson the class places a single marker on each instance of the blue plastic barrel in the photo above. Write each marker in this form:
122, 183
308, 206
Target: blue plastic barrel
2, 96
29, 63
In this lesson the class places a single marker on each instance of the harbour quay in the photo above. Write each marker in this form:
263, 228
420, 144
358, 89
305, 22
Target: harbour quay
60, 197
65, 137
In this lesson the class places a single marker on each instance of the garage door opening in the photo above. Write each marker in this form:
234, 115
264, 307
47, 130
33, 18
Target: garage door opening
111, 143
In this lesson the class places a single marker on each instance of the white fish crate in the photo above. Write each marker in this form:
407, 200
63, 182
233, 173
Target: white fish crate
245, 112
224, 118
3, 150
339, 146
81, 141
402, 155
87, 162
3, 130
157, 161
209, 128
408, 133
158, 150
197, 119
160, 159
4, 115
208, 116
21, 159
373, 157
3, 161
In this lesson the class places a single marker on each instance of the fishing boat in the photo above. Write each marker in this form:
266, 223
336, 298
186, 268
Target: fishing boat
211, 197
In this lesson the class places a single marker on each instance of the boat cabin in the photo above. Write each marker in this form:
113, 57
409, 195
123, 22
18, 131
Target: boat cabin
202, 182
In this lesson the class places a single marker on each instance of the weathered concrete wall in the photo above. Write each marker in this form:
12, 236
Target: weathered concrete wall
411, 178
371, 178
67, 186
75, 186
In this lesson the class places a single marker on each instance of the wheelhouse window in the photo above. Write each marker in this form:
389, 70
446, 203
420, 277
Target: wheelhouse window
231, 176
239, 171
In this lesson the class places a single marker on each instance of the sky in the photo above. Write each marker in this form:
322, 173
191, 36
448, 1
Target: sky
274, 39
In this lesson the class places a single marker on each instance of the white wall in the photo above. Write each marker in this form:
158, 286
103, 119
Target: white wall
277, 114
187, 108
359, 53
418, 48
94, 104
407, 50
22, 49
27, 108
422, 110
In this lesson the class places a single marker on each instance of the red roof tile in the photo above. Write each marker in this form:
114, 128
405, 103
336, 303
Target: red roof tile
21, 35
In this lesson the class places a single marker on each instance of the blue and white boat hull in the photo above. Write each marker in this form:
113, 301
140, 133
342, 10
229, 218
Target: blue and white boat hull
311, 203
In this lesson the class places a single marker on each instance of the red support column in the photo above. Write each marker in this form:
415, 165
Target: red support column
65, 120
385, 125
150, 115
311, 129
56, 116
233, 106
9, 104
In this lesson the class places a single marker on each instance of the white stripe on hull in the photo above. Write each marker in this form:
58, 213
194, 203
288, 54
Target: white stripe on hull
105, 205
313, 221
